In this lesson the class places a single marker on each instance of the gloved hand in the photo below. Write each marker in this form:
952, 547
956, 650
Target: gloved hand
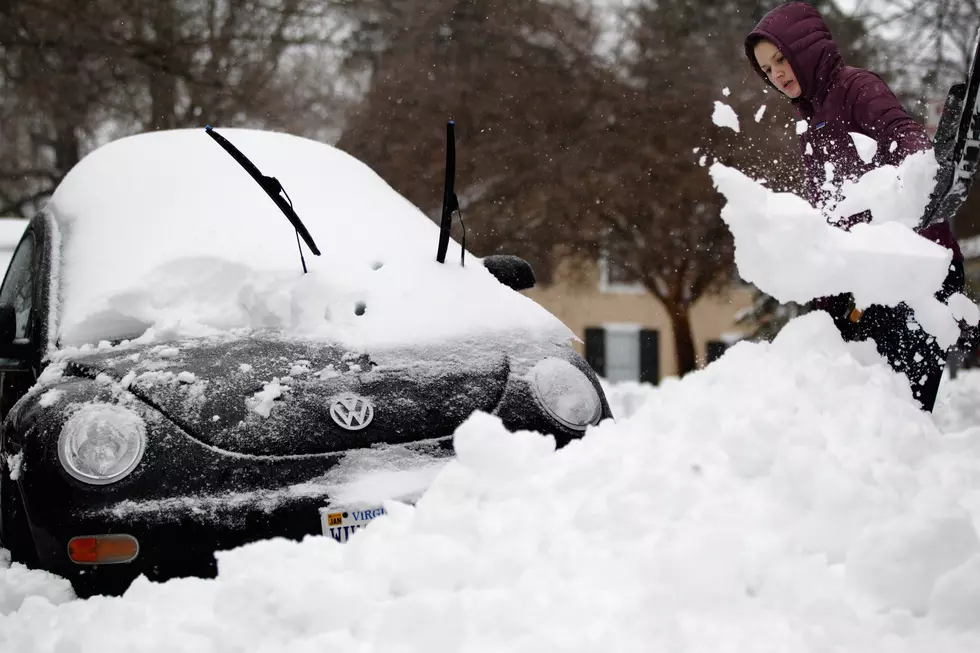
839, 308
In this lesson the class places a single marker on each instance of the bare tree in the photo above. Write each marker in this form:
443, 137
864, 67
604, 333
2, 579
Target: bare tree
77, 74
929, 45
932, 41
655, 207
520, 80
563, 149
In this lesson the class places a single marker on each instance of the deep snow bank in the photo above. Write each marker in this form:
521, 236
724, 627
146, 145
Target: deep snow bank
790, 497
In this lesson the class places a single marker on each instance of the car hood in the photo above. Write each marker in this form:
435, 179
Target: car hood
264, 396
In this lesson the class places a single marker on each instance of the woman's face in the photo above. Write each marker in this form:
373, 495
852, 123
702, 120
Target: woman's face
777, 69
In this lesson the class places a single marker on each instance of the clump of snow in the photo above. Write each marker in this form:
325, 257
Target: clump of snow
373, 476
186, 377
104, 379
625, 398
50, 397
765, 503
726, 91
809, 149
802, 126
866, 146
203, 249
964, 309
263, 400
760, 113
955, 598
725, 116
892, 193
53, 373
703, 160
898, 562
957, 407
328, 372
244, 368
155, 377
300, 368
15, 463
168, 352
786, 248
28, 589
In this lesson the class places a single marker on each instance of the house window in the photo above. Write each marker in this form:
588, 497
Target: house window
616, 277
624, 352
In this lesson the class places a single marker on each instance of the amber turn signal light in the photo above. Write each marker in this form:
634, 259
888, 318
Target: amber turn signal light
103, 549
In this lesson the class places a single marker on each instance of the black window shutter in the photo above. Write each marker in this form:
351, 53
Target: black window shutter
714, 349
649, 356
595, 349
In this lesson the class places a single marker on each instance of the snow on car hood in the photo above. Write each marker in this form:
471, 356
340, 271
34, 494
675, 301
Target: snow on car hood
165, 231
265, 396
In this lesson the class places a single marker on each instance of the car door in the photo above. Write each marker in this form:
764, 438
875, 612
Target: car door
17, 370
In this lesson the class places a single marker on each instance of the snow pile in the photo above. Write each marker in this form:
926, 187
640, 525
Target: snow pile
725, 116
186, 244
957, 407
627, 397
789, 497
786, 248
19, 584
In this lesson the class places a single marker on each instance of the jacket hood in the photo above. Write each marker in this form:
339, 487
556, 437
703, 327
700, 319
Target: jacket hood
801, 34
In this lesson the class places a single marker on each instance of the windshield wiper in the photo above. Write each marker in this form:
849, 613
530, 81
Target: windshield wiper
450, 202
273, 188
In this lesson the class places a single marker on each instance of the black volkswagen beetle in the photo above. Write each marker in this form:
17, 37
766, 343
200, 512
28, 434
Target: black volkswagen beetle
176, 381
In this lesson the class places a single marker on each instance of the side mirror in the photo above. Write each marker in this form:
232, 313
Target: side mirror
8, 325
512, 271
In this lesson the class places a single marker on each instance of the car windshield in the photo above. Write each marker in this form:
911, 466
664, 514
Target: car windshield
164, 231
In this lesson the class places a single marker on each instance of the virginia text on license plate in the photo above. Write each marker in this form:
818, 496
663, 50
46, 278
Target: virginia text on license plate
340, 523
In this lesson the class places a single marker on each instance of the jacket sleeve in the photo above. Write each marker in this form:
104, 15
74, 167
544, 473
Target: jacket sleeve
879, 114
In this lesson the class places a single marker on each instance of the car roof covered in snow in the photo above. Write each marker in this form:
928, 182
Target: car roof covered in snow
165, 230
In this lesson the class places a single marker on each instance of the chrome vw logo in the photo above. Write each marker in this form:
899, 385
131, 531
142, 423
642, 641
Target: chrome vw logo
351, 412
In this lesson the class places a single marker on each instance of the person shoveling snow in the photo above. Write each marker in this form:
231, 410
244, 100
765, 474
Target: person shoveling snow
865, 160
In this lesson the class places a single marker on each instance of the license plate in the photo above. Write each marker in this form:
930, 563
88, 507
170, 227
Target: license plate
340, 523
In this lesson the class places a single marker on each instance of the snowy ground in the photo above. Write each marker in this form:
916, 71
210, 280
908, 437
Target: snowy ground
789, 497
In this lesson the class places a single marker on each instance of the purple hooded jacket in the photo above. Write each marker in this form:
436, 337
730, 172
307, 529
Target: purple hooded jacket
836, 100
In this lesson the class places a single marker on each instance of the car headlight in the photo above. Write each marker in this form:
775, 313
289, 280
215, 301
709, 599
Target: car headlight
566, 393
102, 443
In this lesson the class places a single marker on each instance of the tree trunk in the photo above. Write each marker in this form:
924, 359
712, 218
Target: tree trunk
163, 101
67, 148
163, 84
680, 322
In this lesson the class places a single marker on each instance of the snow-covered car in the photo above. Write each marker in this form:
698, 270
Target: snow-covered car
175, 382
